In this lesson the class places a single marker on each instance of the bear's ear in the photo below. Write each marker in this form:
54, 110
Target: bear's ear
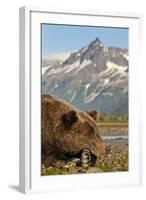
93, 114
69, 118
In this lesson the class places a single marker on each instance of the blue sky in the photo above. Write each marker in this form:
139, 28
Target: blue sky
64, 38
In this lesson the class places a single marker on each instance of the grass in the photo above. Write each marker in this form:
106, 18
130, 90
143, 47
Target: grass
113, 125
45, 171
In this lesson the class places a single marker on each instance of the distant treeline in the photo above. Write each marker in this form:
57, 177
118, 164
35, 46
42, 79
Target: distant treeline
106, 117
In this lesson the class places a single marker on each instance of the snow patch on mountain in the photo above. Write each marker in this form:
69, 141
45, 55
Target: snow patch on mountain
87, 86
108, 94
111, 65
126, 56
106, 81
73, 96
91, 97
44, 69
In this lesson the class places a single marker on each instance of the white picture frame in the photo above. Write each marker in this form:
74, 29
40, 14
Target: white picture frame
29, 160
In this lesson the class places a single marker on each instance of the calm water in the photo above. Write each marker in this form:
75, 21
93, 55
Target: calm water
124, 137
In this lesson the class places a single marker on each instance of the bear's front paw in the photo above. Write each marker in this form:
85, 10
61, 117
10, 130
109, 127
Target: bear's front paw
86, 158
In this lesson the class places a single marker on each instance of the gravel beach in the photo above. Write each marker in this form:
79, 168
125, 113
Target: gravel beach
116, 158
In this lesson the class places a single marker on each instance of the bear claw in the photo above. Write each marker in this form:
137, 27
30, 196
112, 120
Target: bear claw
72, 162
86, 158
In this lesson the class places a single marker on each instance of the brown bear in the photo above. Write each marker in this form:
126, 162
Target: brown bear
68, 135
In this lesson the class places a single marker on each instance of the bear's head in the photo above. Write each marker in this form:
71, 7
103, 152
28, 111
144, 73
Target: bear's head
79, 131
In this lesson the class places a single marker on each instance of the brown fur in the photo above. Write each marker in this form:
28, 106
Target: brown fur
65, 130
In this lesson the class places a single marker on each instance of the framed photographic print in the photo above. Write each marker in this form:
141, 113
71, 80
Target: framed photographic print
79, 100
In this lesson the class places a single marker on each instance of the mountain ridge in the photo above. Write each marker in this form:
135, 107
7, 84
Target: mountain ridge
93, 77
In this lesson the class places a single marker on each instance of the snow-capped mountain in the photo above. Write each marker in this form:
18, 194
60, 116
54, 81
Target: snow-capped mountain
94, 77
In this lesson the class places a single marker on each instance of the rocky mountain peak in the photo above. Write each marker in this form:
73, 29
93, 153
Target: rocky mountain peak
93, 77
96, 43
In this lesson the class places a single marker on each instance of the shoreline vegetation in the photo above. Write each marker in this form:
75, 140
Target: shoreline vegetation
113, 129
112, 124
